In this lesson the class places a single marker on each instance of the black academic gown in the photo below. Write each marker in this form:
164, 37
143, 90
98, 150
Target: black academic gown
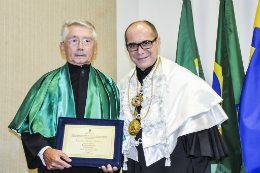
192, 154
32, 144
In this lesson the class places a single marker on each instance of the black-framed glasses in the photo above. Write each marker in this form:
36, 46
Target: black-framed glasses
144, 45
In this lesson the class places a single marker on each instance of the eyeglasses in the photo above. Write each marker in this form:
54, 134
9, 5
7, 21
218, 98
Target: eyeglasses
75, 41
144, 45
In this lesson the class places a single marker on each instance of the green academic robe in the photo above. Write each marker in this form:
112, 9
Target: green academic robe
52, 97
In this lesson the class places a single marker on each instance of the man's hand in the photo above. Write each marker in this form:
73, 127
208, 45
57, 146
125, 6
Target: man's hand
53, 161
109, 168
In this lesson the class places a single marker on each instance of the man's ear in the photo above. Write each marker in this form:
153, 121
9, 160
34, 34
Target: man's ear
159, 42
95, 48
62, 47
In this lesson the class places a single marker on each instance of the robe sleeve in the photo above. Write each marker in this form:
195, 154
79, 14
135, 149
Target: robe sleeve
205, 143
32, 144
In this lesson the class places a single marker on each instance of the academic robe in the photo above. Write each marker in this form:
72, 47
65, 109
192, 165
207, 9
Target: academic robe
191, 148
70, 91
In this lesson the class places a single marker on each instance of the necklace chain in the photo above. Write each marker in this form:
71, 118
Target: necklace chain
135, 114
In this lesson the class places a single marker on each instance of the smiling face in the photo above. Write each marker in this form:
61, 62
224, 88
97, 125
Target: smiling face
137, 33
79, 54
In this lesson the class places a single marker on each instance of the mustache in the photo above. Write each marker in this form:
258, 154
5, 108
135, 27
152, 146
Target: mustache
80, 53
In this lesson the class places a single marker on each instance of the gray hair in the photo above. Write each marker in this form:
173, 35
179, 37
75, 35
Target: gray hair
80, 22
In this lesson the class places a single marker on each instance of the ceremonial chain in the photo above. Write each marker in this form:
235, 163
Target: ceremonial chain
134, 126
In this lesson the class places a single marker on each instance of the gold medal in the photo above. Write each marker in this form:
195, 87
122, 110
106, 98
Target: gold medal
134, 127
137, 100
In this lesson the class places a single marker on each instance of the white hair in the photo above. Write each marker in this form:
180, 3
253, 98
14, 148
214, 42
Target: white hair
81, 22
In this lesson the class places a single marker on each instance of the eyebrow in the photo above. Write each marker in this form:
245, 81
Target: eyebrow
138, 43
74, 36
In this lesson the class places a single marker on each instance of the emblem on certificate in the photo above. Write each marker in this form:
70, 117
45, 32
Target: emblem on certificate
90, 142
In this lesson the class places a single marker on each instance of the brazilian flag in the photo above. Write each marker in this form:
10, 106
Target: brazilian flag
187, 51
249, 115
228, 79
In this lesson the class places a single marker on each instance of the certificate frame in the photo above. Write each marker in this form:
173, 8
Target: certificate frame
92, 162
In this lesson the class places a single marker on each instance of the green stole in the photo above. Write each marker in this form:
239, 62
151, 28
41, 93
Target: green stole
52, 97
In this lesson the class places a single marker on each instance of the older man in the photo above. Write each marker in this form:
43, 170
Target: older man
170, 115
74, 90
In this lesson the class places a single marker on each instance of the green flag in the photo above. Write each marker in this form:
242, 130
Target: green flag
187, 51
228, 79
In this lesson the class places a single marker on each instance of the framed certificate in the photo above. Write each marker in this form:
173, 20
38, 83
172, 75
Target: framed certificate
90, 142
